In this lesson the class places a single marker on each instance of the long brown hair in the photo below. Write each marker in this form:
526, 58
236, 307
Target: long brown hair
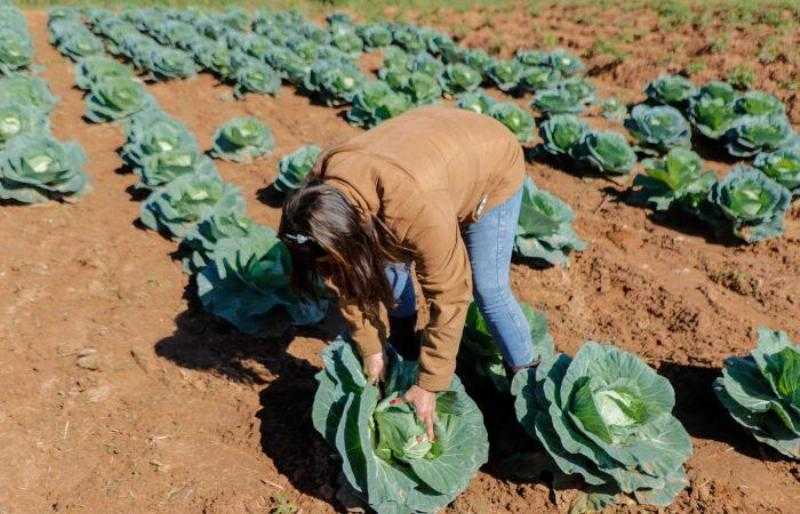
328, 237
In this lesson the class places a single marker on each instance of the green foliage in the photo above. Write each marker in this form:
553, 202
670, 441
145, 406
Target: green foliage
518, 120
676, 180
293, 168
115, 98
242, 140
712, 111
741, 77
177, 207
505, 74
16, 51
27, 90
606, 416
36, 168
201, 241
256, 77
168, 63
673, 90
562, 133
544, 229
753, 205
17, 119
606, 152
658, 129
782, 166
376, 102
387, 458
758, 103
460, 78
335, 82
570, 96
614, 110
749, 135
91, 70
421, 88
476, 101
762, 391
376, 35
535, 78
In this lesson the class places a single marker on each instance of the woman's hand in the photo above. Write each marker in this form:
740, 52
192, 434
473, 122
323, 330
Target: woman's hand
375, 368
424, 403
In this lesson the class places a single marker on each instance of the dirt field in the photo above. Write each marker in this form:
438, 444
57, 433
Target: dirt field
121, 395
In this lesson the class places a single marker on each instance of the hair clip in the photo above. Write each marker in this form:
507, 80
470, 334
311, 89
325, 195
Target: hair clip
300, 239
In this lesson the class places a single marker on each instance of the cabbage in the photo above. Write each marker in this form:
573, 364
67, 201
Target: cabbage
606, 152
376, 35
255, 77
201, 241
30, 91
91, 70
565, 63
167, 63
782, 166
711, 110
676, 180
376, 102
658, 129
114, 98
242, 140
427, 64
293, 168
758, 103
18, 119
535, 78
671, 90
16, 51
750, 135
566, 97
421, 88
505, 74
515, 118
562, 133
476, 101
460, 78
81, 43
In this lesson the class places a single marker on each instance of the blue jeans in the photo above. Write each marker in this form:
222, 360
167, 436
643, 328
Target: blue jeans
490, 242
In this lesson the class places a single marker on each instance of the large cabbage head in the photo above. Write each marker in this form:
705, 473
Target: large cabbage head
115, 98
505, 74
335, 82
658, 129
376, 102
562, 133
762, 391
460, 78
673, 90
516, 119
606, 152
544, 230
242, 140
750, 135
91, 70
18, 119
293, 168
782, 166
476, 101
35, 168
386, 455
27, 90
177, 207
565, 97
677, 180
607, 416
16, 51
754, 204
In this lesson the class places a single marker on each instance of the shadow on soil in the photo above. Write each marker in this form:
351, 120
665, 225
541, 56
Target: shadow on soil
288, 438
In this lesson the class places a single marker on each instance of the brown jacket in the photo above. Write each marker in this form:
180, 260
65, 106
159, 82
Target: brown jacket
424, 174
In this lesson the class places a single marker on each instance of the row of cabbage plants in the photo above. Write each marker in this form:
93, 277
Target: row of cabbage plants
35, 167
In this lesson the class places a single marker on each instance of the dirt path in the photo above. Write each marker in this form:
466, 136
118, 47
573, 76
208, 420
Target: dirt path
121, 396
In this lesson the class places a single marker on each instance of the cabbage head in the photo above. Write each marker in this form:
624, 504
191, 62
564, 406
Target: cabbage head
482, 62
199, 244
712, 111
606, 416
376, 35
544, 230
505, 74
213, 56
535, 78
562, 133
247, 278
256, 77
376, 102
673, 90
758, 103
115, 98
386, 455
476, 101
169, 63
606, 152
427, 64
293, 168
81, 43
481, 353
27, 90
762, 391
750, 135
422, 89
177, 207
242, 140
460, 78
565, 63
18, 119
566, 97
753, 204
658, 129
91, 70
35, 168
677, 180
16, 51
516, 119
782, 166
532, 57
409, 38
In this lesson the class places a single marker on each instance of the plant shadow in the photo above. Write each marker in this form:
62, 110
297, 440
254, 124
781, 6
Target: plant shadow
270, 196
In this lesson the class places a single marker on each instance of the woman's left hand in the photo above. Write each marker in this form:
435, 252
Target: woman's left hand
424, 403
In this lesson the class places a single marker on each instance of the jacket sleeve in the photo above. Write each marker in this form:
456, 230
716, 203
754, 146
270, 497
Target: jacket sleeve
367, 335
445, 277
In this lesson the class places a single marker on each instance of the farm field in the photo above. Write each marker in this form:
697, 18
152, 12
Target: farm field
121, 394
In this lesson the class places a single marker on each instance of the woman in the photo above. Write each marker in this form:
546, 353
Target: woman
438, 188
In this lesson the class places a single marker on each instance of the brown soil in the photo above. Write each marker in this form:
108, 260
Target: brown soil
121, 395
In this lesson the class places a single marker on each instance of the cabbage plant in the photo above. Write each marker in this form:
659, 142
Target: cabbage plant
91, 70
762, 391
335, 82
80, 43
565, 97
782, 166
16, 51
242, 140
168, 63
673, 90
293, 168
658, 129
177, 207
758, 103
678, 179
505, 74
409, 38
711, 110
753, 204
482, 354
35, 168
606, 416
386, 455
515, 118
532, 57
247, 278
201, 241
750, 135
27, 90
18, 119
213, 56
482, 62
565, 63
476, 101
606, 152
460, 78
535, 78
544, 230
562, 133
256, 77
376, 35
115, 98
421, 89
376, 102
427, 64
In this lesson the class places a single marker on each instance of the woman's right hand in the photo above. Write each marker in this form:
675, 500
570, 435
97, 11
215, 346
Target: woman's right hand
375, 367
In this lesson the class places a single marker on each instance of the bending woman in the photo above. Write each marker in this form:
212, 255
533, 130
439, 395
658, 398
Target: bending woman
438, 188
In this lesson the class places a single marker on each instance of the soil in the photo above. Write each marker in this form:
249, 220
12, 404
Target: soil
121, 395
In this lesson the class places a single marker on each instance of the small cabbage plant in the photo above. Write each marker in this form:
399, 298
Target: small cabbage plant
677, 180
561, 134
544, 230
386, 455
606, 153
753, 204
758, 103
242, 140
673, 90
115, 98
293, 168
519, 121
782, 166
658, 129
256, 77
762, 391
200, 242
36, 168
606, 416
16, 51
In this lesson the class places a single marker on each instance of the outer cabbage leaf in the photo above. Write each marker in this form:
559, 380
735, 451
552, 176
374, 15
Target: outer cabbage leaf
242, 140
293, 168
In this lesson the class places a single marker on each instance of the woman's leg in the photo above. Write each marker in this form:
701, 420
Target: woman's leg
403, 317
490, 242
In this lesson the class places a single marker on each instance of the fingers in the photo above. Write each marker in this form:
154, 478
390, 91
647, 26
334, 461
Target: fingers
429, 427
